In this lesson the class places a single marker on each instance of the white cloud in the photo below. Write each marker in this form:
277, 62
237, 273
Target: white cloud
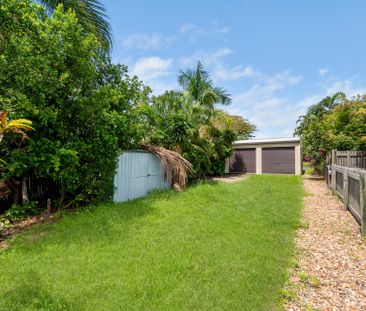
145, 41
323, 71
155, 72
281, 80
148, 68
209, 58
159, 87
223, 73
187, 27
265, 105
329, 89
214, 60
193, 31
345, 86
222, 30
276, 114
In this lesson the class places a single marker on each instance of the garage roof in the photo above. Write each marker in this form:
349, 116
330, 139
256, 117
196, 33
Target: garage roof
267, 141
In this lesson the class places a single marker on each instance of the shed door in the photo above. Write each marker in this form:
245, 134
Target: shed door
137, 174
280, 160
242, 161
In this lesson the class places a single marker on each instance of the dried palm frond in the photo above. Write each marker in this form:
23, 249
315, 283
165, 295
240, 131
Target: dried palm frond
175, 167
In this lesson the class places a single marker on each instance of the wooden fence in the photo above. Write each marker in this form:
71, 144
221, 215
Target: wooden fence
355, 159
346, 177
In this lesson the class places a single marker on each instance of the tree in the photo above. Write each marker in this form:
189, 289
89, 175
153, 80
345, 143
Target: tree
346, 124
83, 107
177, 122
313, 131
198, 84
334, 123
190, 123
91, 15
240, 126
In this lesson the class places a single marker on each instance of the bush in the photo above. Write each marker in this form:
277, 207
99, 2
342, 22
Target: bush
18, 211
82, 106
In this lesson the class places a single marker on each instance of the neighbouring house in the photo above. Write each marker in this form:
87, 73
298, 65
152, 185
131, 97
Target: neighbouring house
266, 156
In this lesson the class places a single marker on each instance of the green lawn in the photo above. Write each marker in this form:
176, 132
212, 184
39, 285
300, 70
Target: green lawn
212, 247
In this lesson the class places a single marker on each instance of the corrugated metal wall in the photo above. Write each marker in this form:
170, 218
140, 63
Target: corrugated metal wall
138, 173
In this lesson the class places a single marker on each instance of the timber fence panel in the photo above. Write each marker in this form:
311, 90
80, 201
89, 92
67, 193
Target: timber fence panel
356, 159
347, 179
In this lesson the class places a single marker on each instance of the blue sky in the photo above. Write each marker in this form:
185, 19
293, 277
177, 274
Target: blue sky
275, 57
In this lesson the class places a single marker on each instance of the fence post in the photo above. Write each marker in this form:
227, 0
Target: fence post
348, 158
333, 176
345, 189
363, 202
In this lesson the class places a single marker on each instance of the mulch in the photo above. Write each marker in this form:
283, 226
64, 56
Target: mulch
329, 268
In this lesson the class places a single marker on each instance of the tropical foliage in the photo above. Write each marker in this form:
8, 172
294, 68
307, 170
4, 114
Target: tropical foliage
198, 84
91, 15
82, 106
54, 70
188, 122
335, 122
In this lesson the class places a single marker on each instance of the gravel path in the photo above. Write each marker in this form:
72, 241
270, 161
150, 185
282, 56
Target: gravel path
329, 269
231, 178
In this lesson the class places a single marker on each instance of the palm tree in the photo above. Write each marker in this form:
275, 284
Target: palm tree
91, 15
19, 126
198, 84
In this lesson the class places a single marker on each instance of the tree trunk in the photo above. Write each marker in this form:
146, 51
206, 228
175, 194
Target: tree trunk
48, 211
25, 198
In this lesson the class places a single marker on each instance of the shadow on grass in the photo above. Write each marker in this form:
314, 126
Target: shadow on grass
29, 292
92, 223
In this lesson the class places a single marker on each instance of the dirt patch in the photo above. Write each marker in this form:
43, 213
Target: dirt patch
329, 269
231, 178
22, 225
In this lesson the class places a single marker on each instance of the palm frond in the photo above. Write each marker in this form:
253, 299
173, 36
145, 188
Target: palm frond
223, 95
91, 15
18, 126
198, 84
175, 167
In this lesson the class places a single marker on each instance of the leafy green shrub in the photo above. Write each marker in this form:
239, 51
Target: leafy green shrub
18, 211
334, 123
83, 107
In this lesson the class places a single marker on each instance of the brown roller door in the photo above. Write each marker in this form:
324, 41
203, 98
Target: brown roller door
242, 161
280, 160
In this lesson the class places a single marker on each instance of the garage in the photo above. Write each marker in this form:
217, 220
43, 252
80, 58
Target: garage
278, 160
266, 156
243, 161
